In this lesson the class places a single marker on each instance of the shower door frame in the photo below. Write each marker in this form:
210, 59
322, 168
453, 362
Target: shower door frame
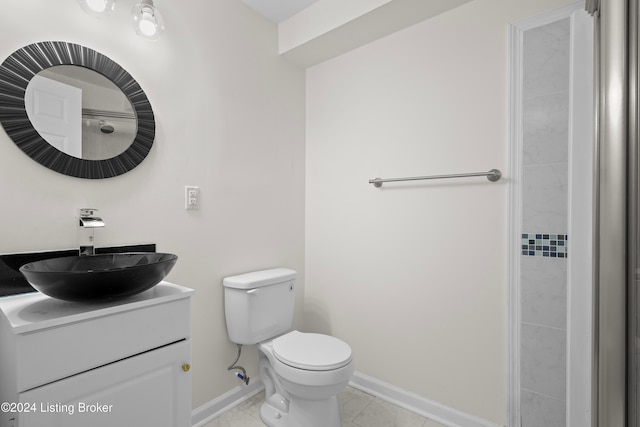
615, 197
581, 184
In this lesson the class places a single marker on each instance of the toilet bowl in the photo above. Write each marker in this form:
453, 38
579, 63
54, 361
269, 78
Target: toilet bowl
302, 372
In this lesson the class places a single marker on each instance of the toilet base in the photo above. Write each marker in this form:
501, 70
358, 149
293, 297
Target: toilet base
301, 413
299, 398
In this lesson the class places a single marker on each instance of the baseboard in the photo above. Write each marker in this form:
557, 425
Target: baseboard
216, 407
415, 403
410, 401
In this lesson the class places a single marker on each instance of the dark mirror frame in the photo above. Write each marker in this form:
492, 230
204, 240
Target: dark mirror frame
16, 72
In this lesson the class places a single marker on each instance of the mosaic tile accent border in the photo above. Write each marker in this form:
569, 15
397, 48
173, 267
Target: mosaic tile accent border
545, 245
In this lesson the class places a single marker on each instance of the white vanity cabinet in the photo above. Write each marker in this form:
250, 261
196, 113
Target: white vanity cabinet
125, 363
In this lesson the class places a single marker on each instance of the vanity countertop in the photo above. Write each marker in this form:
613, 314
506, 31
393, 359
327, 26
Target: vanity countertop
35, 311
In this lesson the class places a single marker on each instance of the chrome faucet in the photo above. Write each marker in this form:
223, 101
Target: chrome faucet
88, 222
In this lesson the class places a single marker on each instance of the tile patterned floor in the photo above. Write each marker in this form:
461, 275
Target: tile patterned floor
357, 409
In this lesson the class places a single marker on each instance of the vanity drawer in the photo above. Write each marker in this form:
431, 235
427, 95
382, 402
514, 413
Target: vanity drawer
50, 354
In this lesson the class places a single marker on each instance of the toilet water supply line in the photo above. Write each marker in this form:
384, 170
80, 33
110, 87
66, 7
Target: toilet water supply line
243, 376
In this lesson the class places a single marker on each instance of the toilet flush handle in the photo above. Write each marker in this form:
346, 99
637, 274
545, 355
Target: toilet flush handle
255, 291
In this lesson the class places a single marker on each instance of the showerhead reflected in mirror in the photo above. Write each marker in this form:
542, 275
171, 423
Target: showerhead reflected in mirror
80, 112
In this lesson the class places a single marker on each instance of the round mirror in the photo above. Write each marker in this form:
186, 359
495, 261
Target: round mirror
74, 110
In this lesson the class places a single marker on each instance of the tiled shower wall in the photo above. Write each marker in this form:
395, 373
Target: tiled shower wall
545, 244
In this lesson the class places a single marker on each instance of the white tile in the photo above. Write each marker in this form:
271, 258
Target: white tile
542, 411
546, 59
352, 402
543, 360
383, 414
235, 418
252, 405
545, 128
431, 423
545, 198
544, 291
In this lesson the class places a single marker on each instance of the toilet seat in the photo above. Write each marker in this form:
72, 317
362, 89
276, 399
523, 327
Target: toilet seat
312, 352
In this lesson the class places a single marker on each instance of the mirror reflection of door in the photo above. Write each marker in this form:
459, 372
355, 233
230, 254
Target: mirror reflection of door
55, 110
102, 128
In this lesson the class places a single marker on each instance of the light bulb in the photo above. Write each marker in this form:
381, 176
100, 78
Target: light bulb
147, 24
147, 21
97, 5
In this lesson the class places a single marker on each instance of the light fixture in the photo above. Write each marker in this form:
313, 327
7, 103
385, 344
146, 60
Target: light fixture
98, 7
147, 20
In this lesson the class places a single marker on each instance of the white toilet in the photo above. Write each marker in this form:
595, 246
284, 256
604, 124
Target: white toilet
302, 372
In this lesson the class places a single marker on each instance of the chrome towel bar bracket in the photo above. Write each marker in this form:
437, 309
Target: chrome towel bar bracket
493, 175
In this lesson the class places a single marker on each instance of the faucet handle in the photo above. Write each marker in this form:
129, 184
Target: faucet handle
85, 212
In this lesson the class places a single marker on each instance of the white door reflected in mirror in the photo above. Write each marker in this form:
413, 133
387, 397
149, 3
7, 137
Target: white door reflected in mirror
55, 111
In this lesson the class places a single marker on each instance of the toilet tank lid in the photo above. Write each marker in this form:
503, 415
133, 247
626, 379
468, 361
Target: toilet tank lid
260, 278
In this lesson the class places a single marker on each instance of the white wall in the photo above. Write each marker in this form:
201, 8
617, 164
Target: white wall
230, 119
414, 276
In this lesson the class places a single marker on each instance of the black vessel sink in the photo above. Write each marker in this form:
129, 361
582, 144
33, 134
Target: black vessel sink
98, 278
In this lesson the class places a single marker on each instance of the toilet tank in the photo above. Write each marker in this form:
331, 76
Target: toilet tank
259, 305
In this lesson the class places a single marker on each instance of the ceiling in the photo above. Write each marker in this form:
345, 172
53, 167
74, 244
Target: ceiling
339, 26
278, 10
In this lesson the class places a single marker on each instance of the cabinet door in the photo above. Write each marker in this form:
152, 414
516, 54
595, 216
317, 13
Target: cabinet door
151, 389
